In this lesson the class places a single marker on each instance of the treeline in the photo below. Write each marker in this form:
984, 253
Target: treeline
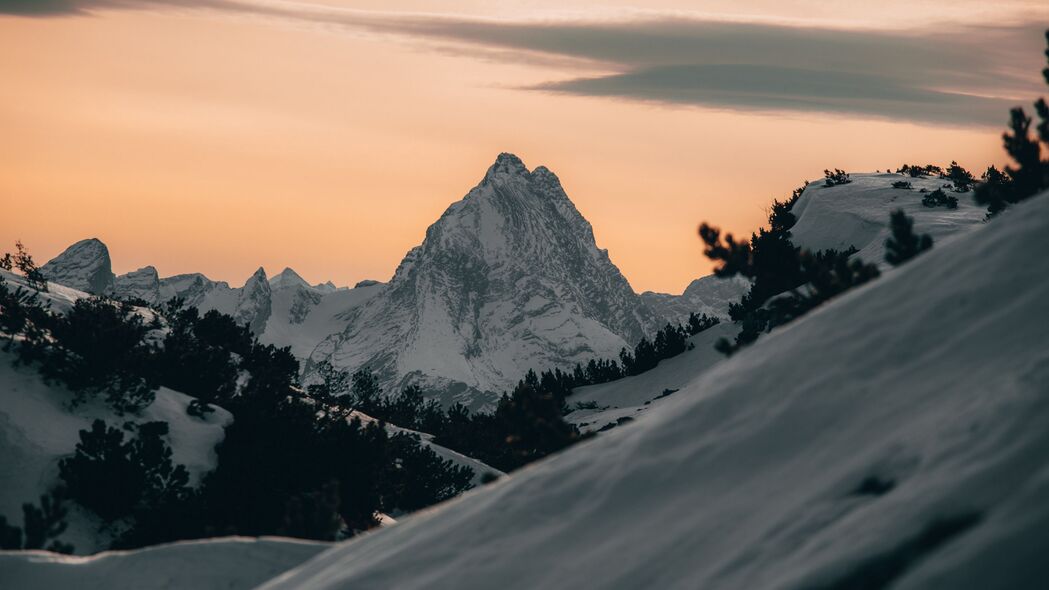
287, 465
668, 342
527, 423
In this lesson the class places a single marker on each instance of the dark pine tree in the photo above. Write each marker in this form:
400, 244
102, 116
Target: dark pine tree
904, 244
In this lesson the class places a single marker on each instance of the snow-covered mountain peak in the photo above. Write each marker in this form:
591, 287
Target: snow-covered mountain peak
254, 302
289, 278
508, 279
506, 166
143, 284
84, 266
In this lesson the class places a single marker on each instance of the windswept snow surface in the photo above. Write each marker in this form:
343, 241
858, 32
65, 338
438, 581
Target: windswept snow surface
228, 563
898, 434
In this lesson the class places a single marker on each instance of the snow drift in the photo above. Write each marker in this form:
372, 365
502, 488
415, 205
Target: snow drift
897, 435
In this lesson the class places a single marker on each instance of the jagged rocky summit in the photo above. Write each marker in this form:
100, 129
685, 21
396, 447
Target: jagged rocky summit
508, 279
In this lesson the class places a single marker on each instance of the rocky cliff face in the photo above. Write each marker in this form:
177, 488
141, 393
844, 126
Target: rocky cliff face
508, 279
143, 284
85, 266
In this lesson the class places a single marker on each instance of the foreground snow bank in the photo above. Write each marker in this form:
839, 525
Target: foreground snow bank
898, 435
229, 563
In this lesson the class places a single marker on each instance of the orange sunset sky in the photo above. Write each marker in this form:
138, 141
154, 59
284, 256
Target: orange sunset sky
216, 136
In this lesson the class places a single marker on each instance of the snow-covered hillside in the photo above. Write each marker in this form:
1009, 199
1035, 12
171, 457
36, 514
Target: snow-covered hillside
508, 279
229, 563
38, 428
857, 214
897, 435
303, 315
630, 397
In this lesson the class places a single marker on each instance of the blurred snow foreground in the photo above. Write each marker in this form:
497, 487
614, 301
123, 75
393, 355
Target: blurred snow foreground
896, 437
230, 563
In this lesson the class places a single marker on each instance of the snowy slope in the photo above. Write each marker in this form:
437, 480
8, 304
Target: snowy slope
215, 564
302, 316
857, 214
633, 396
37, 429
508, 279
832, 450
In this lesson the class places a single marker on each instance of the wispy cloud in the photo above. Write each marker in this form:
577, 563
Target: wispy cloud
947, 74
954, 75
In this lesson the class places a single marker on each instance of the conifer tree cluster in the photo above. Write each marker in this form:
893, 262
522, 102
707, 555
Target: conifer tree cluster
24, 264
938, 198
918, 171
41, 525
786, 281
1030, 172
962, 179
835, 178
115, 478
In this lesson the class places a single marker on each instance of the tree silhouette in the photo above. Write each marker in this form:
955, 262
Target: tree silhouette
904, 244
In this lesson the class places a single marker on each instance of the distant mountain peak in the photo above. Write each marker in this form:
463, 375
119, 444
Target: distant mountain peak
509, 278
85, 266
288, 278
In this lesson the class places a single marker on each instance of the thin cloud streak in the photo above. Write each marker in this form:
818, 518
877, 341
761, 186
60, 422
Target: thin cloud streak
959, 75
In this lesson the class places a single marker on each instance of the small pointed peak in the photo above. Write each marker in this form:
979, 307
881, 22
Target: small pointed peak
365, 283
149, 271
259, 274
288, 278
545, 176
506, 164
91, 246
